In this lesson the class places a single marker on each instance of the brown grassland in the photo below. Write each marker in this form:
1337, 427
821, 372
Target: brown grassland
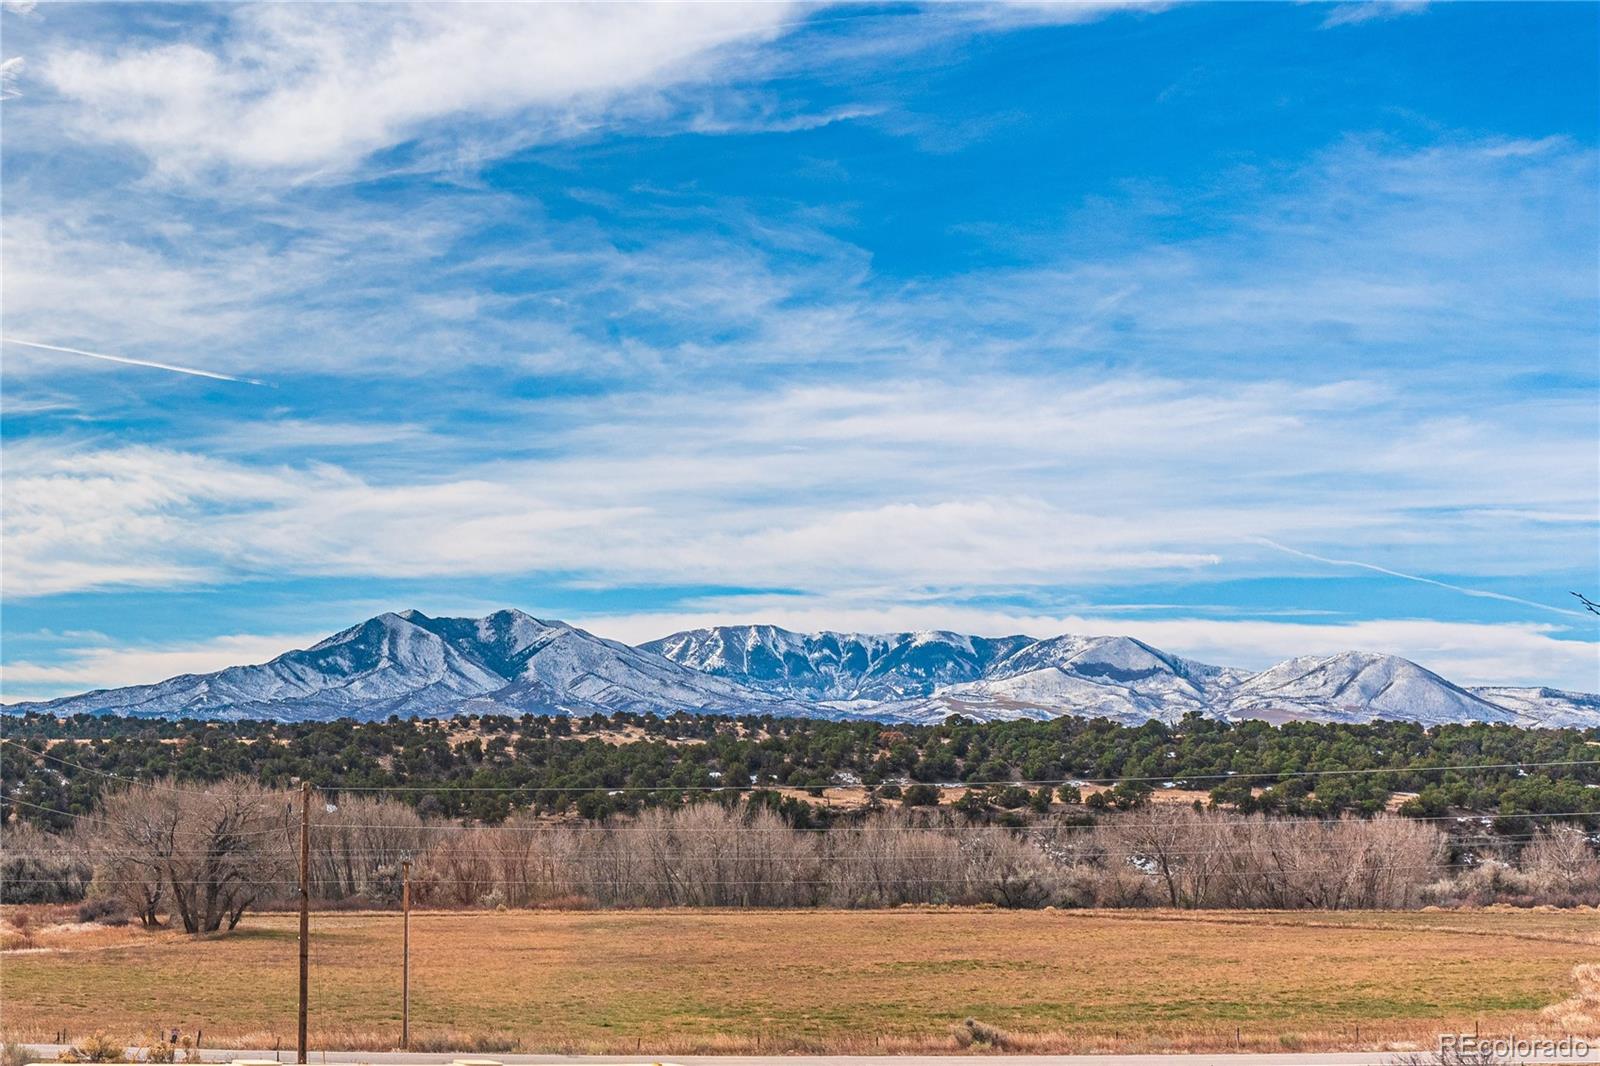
900, 980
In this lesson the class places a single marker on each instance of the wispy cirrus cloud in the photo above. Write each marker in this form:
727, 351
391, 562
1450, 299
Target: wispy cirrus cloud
307, 91
1371, 11
1369, 257
977, 484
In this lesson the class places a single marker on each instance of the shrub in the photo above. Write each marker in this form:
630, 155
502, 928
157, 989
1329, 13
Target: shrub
1562, 864
1487, 882
40, 867
159, 1050
1012, 797
920, 795
973, 803
96, 1048
1128, 795
973, 1032
107, 910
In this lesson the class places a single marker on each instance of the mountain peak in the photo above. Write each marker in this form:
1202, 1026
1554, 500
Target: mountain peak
1359, 686
508, 661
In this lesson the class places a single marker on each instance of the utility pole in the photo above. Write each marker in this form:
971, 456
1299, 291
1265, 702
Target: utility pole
305, 911
405, 956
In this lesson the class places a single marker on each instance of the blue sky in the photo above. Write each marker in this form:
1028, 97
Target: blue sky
1219, 325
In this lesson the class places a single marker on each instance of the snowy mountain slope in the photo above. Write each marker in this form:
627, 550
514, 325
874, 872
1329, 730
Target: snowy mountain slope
412, 664
1041, 695
1120, 661
510, 662
1108, 677
1547, 708
1357, 687
583, 671
386, 664
836, 666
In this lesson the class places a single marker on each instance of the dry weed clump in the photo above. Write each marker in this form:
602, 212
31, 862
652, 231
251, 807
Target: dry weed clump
973, 1033
15, 1054
1579, 1015
14, 935
97, 1047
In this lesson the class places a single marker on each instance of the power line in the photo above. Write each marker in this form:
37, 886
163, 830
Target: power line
99, 817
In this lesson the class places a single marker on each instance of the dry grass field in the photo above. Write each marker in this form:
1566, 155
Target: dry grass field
901, 980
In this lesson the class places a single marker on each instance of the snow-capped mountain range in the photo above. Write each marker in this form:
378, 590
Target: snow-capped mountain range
510, 662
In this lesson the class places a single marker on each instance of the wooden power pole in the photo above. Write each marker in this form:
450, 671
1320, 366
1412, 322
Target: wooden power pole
305, 911
405, 955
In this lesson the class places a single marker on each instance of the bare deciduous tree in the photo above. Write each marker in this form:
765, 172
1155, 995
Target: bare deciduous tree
212, 853
1561, 860
36, 868
206, 856
357, 849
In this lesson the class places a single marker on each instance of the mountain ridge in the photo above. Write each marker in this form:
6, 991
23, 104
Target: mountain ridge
510, 662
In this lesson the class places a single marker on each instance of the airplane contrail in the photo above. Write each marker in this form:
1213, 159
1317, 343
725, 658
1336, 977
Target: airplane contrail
135, 362
1484, 593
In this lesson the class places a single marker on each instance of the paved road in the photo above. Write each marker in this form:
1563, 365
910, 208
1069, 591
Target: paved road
395, 1058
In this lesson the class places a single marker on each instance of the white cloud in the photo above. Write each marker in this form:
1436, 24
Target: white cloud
1006, 13
1369, 260
151, 278
10, 72
1365, 255
967, 485
309, 88
1371, 11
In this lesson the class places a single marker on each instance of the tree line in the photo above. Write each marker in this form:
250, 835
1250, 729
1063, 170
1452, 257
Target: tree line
162, 852
598, 766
